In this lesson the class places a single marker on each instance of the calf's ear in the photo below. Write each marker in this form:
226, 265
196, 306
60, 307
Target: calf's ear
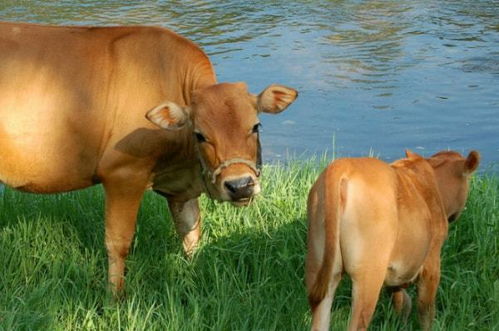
275, 98
472, 162
411, 155
169, 116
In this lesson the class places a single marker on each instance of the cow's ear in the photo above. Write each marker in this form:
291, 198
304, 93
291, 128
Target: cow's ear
275, 98
471, 163
169, 116
411, 155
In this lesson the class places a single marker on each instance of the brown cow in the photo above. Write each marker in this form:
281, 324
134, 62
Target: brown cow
132, 108
382, 223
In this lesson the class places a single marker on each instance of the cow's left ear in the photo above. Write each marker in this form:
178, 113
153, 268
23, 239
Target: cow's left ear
275, 98
169, 116
411, 155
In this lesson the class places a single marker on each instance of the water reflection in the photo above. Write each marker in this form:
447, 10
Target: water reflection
382, 74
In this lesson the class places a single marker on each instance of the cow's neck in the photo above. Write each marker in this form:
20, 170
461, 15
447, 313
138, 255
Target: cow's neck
178, 172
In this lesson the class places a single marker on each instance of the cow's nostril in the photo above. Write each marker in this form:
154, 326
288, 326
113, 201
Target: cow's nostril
230, 186
240, 188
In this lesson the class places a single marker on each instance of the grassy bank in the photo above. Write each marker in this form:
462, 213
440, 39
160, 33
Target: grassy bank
247, 274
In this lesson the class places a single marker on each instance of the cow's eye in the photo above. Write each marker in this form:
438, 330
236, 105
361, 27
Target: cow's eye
199, 137
256, 128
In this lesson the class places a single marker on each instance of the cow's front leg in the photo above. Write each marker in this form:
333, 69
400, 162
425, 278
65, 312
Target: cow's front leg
427, 291
123, 198
187, 222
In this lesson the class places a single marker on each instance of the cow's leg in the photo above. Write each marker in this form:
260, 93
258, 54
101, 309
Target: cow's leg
321, 311
401, 302
123, 196
367, 268
187, 222
427, 291
366, 286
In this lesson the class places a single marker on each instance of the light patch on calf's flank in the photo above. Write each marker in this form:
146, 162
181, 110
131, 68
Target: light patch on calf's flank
352, 242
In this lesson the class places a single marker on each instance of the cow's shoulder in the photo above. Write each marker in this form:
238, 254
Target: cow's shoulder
417, 189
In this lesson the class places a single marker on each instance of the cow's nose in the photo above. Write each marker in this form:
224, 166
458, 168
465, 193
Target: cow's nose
241, 188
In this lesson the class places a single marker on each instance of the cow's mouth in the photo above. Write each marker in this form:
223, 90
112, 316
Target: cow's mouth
241, 202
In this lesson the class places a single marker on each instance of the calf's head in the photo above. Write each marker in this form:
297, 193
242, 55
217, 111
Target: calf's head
452, 172
225, 129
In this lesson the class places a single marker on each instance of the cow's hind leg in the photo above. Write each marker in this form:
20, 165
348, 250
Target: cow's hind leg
366, 286
321, 311
123, 196
187, 221
366, 261
401, 302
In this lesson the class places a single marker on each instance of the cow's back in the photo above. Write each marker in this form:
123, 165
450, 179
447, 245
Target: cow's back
68, 95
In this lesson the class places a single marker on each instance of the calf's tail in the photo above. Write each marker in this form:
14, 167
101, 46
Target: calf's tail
334, 200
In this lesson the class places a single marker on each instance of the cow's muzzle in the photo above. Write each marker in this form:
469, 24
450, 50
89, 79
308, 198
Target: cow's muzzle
230, 162
240, 190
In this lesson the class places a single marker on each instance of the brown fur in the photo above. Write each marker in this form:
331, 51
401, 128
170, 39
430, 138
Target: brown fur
77, 107
380, 224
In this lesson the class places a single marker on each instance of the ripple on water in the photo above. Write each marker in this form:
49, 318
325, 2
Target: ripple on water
382, 75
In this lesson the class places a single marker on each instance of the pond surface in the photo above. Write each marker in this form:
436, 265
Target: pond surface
373, 76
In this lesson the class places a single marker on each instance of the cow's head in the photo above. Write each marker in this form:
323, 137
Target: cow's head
452, 172
224, 124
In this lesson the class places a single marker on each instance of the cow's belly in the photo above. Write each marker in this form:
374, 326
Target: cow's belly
409, 252
39, 164
402, 272
41, 148
44, 170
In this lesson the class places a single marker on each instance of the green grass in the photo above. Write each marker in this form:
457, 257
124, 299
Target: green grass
246, 275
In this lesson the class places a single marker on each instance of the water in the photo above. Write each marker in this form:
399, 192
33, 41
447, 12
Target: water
374, 76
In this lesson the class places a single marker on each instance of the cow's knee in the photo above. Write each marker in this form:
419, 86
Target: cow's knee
118, 249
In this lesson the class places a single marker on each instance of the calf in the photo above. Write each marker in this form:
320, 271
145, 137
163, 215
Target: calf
382, 224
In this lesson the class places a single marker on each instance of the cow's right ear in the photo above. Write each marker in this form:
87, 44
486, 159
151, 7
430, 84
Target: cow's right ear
169, 116
471, 163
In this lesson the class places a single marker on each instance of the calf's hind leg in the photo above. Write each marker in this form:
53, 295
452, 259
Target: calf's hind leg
366, 287
321, 311
366, 260
401, 302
